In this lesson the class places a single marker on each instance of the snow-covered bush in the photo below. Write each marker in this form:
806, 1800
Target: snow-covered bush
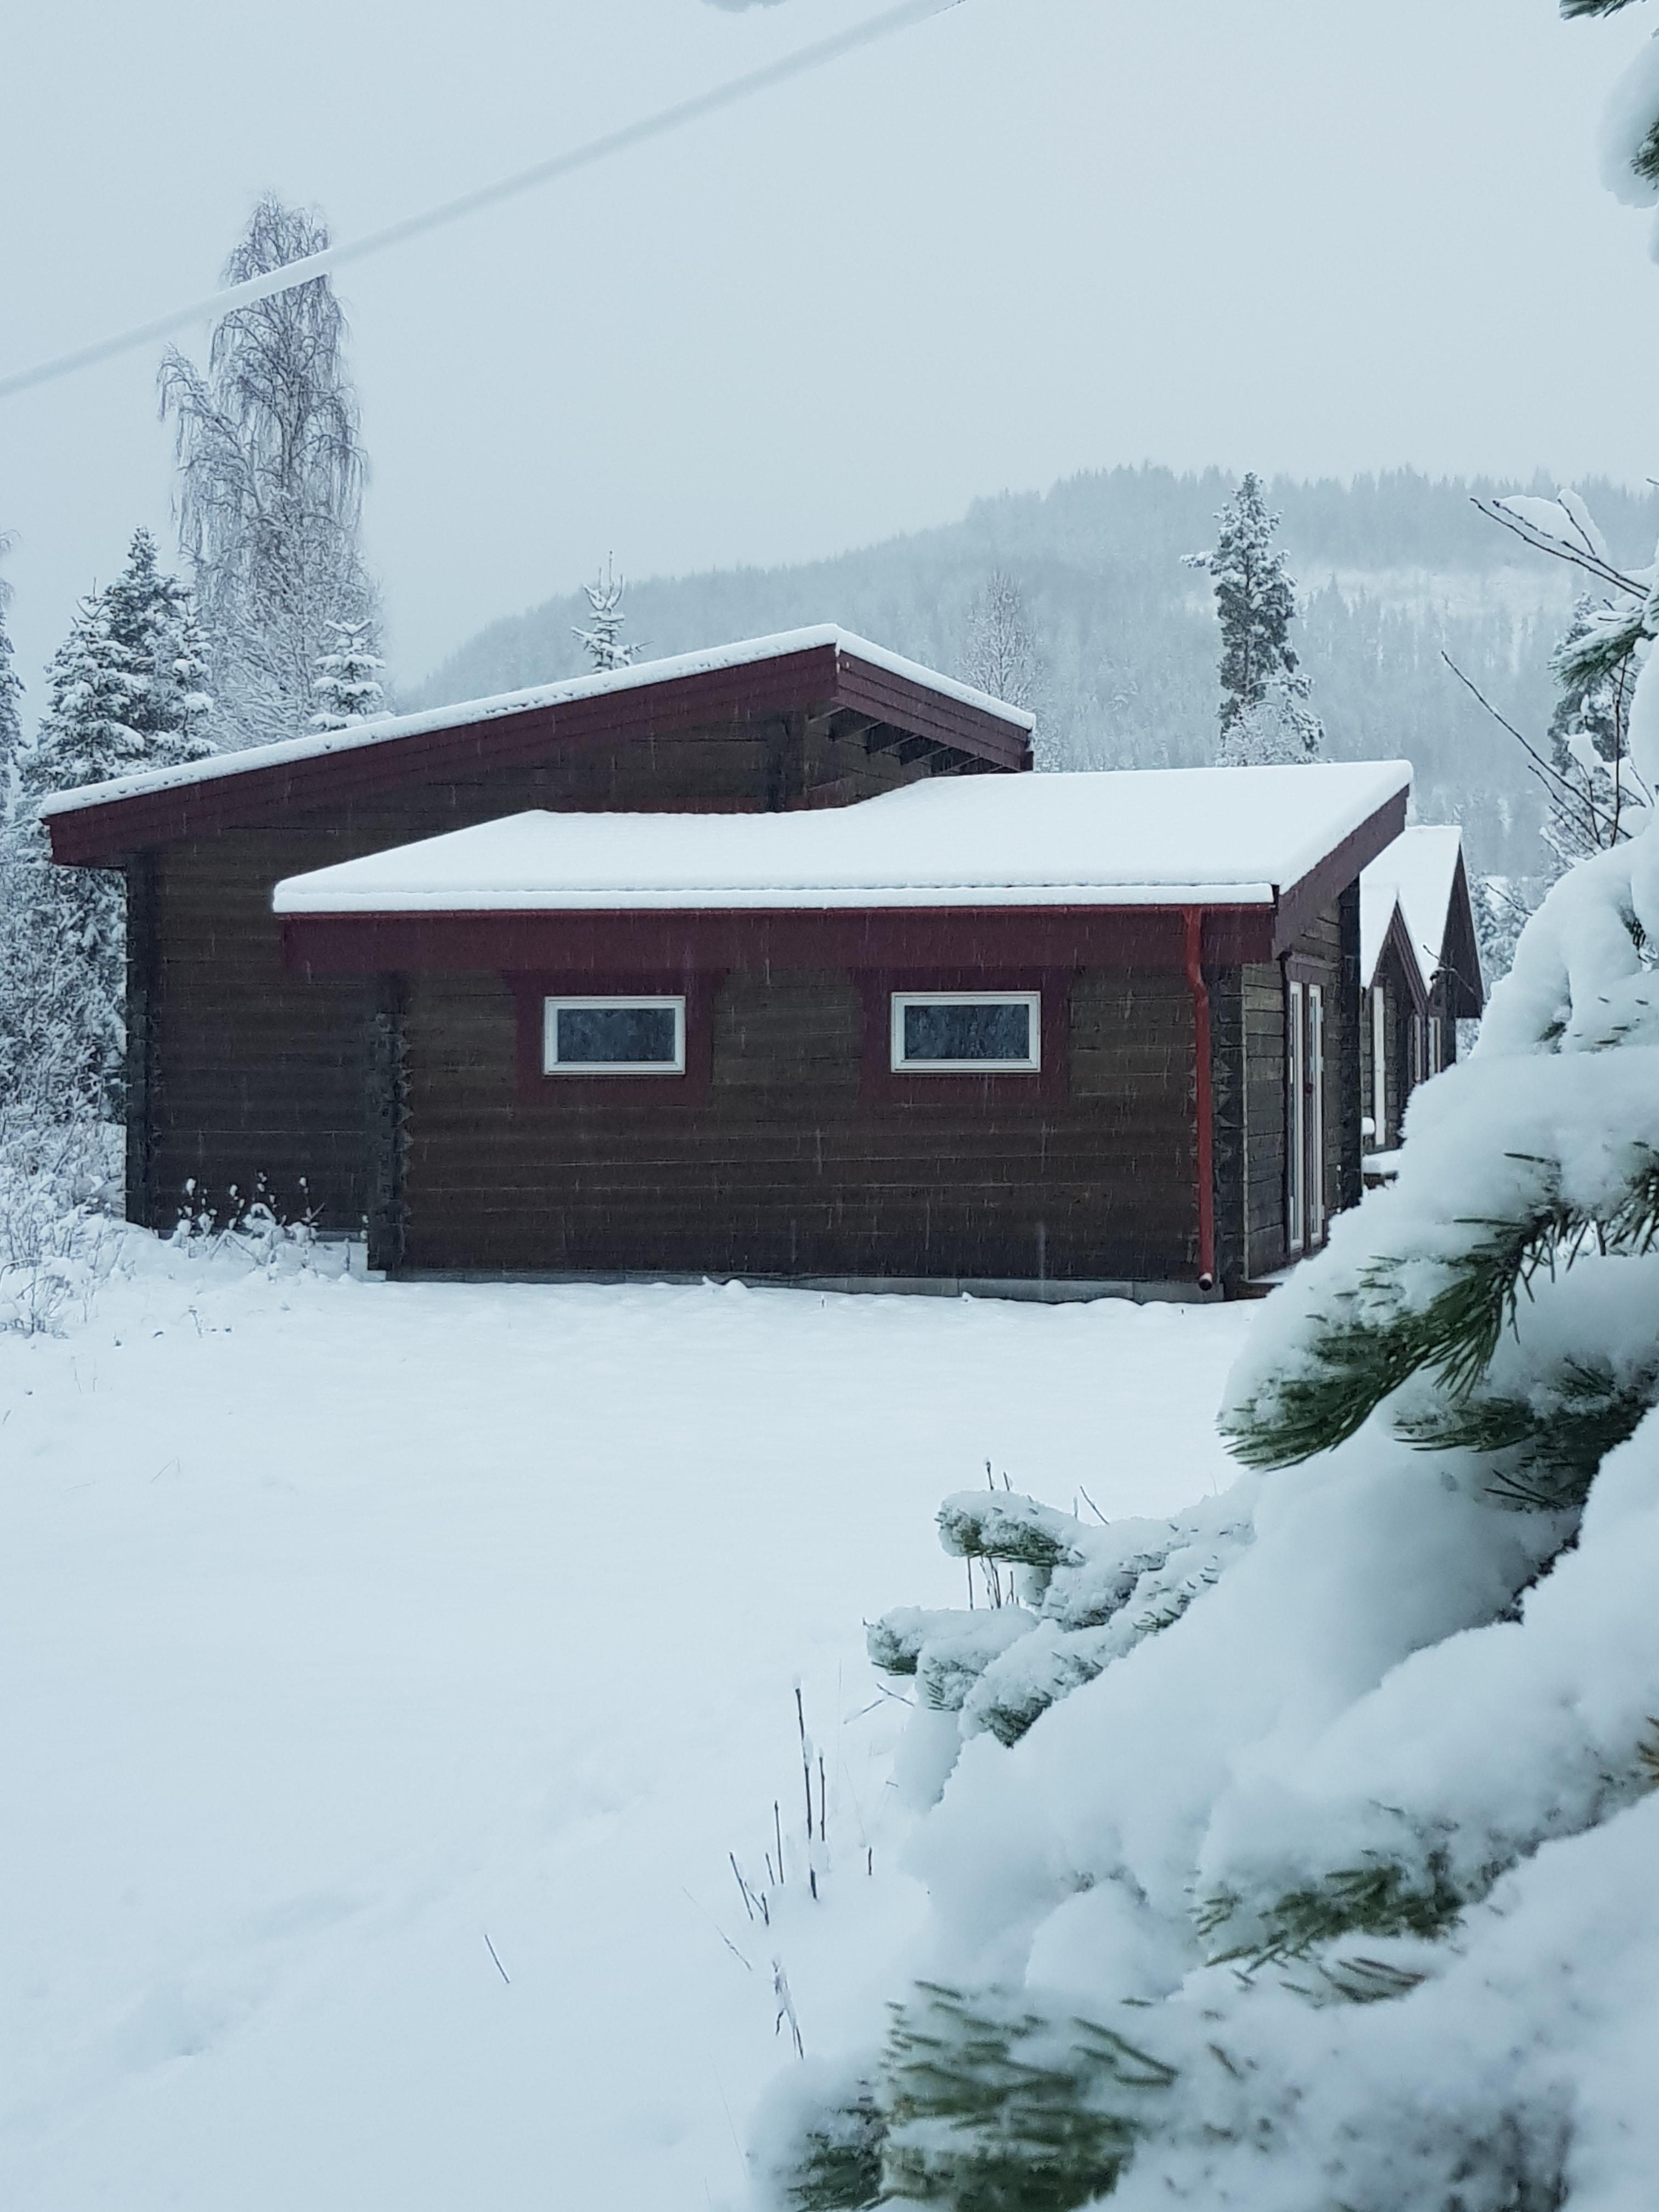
59, 1191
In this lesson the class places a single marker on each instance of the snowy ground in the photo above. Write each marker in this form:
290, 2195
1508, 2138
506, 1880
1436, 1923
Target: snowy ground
345, 1625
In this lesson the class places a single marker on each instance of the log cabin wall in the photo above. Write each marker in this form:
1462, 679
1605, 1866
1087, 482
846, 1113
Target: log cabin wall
1249, 1040
242, 1078
788, 1167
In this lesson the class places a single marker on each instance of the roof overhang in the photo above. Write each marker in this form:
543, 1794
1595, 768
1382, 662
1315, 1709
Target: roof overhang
821, 676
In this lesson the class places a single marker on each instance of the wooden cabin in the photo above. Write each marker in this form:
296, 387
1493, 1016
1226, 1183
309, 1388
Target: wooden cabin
767, 963
1420, 972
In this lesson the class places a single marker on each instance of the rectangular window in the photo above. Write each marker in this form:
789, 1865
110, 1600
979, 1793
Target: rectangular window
613, 1037
967, 1032
1380, 1069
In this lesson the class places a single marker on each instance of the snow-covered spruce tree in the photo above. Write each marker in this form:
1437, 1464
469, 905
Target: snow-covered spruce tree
271, 475
1002, 655
11, 691
346, 685
1264, 716
1309, 1837
124, 693
603, 639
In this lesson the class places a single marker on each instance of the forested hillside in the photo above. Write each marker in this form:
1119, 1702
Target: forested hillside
1395, 572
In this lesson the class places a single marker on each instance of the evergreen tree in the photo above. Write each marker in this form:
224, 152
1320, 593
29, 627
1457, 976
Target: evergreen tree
603, 639
271, 470
124, 694
1264, 711
346, 685
11, 689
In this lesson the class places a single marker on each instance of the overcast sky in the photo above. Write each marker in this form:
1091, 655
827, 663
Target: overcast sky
1027, 238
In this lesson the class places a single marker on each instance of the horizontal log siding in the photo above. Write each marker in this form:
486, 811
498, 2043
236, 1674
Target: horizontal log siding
251, 1077
788, 1170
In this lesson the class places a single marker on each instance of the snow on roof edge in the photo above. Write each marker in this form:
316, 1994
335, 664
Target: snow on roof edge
749, 651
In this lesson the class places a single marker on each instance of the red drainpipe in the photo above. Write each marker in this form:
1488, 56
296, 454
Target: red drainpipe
1192, 916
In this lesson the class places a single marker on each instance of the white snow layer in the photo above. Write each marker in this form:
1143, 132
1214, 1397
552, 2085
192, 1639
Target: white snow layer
1141, 836
387, 727
349, 1629
1417, 872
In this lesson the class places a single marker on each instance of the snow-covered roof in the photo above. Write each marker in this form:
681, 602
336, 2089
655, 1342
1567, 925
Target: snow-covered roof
385, 727
1417, 873
1149, 837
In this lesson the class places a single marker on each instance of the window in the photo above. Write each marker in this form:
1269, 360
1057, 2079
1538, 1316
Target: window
1380, 1068
967, 1032
613, 1037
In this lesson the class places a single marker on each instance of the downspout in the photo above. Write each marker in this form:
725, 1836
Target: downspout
1193, 917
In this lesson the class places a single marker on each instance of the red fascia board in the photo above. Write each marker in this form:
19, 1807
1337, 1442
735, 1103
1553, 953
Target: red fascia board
817, 678
660, 941
1301, 905
869, 689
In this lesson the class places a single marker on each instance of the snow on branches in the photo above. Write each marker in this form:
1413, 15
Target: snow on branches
603, 640
271, 476
1264, 716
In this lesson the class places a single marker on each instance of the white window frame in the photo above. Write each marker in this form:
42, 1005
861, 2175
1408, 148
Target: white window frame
552, 1065
1380, 1067
1032, 1000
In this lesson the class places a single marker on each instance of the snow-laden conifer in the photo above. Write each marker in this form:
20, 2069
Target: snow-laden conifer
124, 693
11, 692
602, 637
1264, 716
271, 476
346, 685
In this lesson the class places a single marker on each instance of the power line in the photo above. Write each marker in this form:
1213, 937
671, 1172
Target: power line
802, 63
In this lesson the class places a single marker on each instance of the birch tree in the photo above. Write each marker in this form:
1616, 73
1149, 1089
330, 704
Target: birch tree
271, 487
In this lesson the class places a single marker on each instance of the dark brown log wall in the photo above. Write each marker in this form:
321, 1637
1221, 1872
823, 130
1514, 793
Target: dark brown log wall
242, 1077
788, 1169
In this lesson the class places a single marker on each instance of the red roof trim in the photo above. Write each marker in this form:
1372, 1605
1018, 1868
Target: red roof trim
660, 941
1301, 904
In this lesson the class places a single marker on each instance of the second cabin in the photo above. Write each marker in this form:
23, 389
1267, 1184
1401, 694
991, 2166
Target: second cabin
774, 962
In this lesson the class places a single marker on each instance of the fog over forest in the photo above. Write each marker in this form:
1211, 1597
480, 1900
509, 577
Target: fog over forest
1398, 573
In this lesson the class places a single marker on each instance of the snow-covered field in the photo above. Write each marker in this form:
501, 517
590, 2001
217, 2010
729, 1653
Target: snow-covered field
350, 1633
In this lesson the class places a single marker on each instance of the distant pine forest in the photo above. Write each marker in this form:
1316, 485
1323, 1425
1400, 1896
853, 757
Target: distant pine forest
1399, 575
